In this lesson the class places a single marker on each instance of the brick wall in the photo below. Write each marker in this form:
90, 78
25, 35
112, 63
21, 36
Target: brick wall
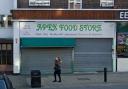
54, 4
121, 4
91, 4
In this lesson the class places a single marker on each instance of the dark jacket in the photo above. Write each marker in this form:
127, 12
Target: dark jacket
57, 67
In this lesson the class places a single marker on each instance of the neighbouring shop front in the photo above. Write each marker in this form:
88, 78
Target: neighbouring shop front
6, 50
6, 56
122, 46
83, 46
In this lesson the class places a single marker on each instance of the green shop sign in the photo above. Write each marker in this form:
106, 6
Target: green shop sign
69, 27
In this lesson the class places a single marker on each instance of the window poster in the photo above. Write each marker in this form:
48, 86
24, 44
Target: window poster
122, 40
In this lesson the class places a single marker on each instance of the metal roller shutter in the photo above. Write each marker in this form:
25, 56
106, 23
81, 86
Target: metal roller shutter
93, 55
43, 59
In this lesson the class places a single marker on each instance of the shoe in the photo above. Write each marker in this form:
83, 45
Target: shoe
54, 81
59, 81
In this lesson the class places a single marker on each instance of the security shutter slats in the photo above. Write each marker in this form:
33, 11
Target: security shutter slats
93, 55
43, 59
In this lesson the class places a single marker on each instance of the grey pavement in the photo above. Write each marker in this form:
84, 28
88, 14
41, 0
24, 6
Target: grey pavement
73, 81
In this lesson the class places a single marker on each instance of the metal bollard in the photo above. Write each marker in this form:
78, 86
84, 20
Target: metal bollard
105, 74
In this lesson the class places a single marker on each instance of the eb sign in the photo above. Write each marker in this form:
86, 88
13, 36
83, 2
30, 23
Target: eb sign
124, 15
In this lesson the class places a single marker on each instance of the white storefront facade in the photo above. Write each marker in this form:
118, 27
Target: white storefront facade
83, 46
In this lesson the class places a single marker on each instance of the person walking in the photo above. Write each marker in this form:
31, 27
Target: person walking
57, 69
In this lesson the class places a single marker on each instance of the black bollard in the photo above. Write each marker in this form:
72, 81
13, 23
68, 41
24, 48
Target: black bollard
105, 74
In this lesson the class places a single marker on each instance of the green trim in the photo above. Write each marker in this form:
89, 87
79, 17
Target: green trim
47, 42
122, 27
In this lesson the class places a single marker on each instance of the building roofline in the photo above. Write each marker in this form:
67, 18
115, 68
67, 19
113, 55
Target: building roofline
66, 9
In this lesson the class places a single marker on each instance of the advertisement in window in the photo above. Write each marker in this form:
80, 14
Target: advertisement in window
122, 40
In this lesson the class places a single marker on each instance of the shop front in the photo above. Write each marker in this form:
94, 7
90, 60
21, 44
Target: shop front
122, 46
6, 50
83, 46
42, 57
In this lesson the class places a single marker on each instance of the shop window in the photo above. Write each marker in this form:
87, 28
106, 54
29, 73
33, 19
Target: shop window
1, 21
6, 54
106, 3
9, 47
10, 21
75, 4
0, 58
122, 39
4, 58
9, 61
3, 46
0, 46
0, 54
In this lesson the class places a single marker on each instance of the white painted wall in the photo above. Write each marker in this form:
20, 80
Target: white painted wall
16, 48
6, 6
114, 49
6, 32
15, 4
122, 64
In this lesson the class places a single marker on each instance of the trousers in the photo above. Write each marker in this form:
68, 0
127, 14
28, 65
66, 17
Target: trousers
57, 73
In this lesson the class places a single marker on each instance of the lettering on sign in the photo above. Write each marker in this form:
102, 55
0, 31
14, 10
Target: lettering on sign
69, 27
124, 15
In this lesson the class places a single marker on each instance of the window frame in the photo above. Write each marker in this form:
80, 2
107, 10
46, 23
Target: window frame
6, 55
74, 3
106, 3
5, 21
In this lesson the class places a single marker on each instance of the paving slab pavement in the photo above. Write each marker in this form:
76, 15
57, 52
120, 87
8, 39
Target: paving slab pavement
70, 80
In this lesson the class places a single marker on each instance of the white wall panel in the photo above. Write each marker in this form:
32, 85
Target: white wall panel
6, 6
6, 32
122, 64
